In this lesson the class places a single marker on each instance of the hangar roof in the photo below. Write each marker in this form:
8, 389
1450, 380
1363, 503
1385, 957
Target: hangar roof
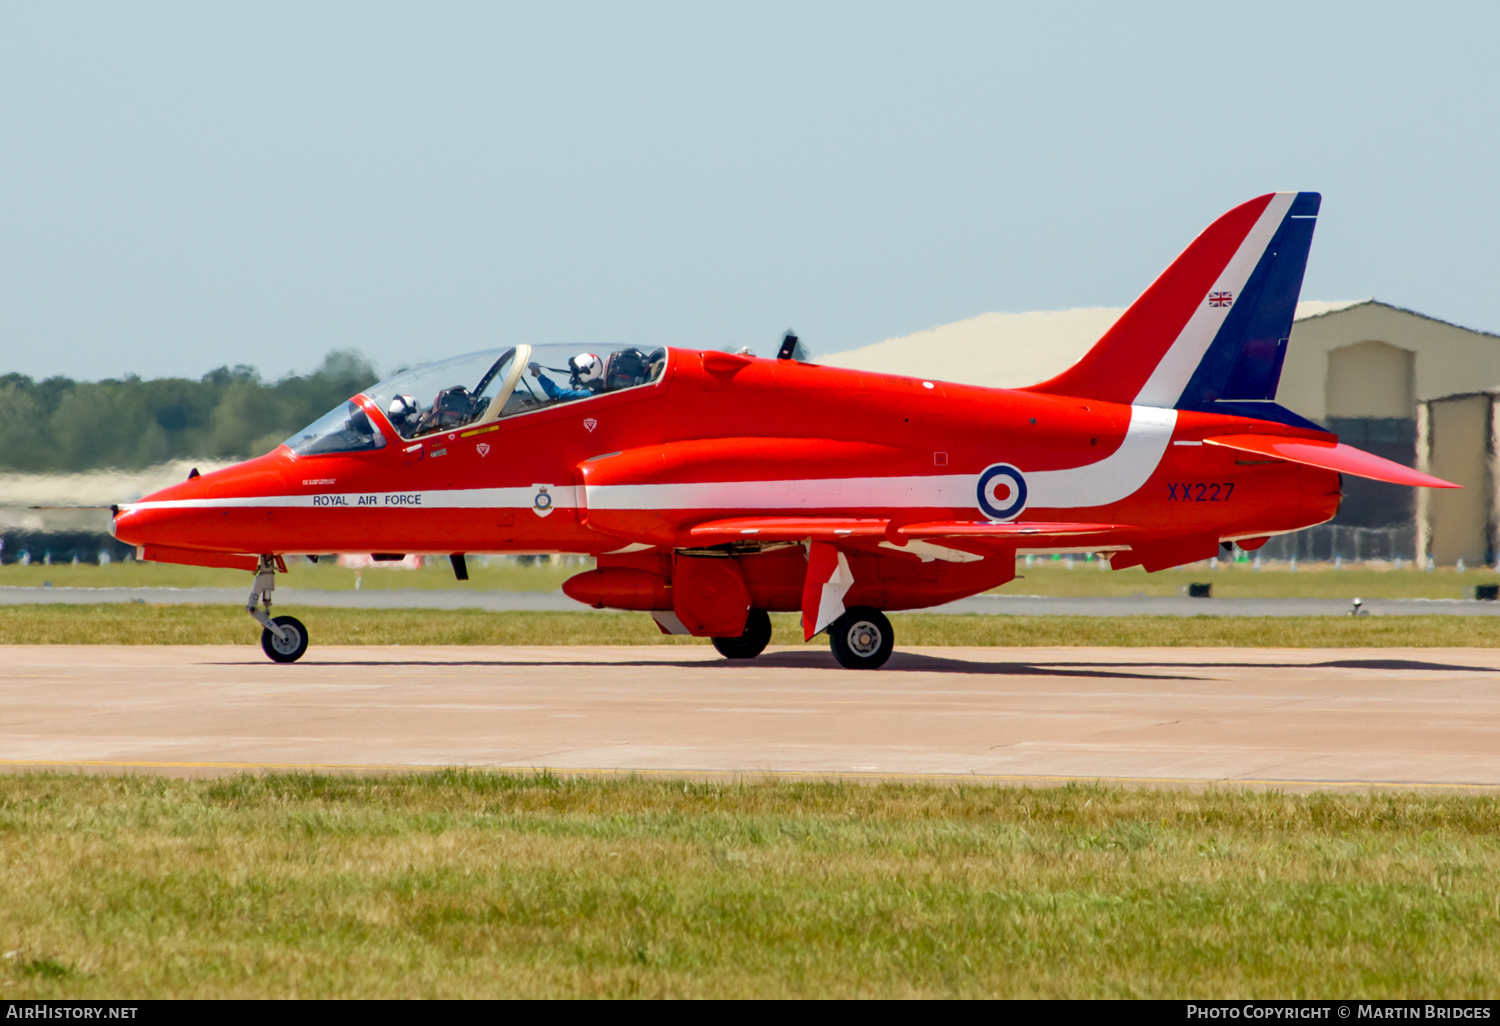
1007, 350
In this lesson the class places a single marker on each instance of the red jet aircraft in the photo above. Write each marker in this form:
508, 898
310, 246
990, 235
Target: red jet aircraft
714, 487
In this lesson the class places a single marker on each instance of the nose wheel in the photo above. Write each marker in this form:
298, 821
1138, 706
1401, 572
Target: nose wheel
287, 648
283, 638
861, 639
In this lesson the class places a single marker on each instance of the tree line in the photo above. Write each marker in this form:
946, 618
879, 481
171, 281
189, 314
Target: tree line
61, 425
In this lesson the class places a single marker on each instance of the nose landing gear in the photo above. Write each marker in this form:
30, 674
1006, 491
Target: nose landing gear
283, 638
289, 646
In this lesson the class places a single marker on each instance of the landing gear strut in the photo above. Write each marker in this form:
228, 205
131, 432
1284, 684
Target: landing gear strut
283, 638
752, 642
861, 639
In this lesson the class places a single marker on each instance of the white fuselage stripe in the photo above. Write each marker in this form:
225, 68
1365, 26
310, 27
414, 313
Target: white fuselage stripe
563, 497
1176, 367
1118, 476
1101, 483
1106, 481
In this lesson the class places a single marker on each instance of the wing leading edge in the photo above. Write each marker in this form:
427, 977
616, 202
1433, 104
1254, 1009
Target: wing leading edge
833, 529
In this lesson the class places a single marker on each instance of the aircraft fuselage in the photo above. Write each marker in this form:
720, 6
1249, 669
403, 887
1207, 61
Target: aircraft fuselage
721, 435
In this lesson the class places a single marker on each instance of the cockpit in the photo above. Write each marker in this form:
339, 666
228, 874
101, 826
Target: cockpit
506, 383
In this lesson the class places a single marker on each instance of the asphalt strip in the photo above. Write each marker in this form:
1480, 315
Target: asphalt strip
556, 601
1293, 719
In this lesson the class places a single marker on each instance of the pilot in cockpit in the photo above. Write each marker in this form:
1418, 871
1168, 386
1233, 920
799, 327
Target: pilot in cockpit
585, 378
404, 414
451, 408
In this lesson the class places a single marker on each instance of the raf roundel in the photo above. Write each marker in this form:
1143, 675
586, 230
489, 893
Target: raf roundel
1002, 492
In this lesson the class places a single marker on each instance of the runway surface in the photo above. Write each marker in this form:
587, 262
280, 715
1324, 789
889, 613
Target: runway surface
1001, 605
1294, 718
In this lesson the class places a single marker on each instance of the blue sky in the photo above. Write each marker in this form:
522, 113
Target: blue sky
189, 185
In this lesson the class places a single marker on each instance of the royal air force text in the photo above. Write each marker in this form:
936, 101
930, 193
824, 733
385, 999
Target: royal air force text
395, 499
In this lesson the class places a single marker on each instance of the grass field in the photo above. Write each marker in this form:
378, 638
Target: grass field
458, 884
1044, 577
129, 624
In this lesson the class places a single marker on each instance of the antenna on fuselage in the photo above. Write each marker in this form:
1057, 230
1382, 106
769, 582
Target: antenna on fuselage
788, 345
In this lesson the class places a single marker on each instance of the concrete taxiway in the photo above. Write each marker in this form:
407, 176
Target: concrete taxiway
556, 601
1293, 718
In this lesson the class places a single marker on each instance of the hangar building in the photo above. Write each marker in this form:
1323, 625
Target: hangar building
1403, 385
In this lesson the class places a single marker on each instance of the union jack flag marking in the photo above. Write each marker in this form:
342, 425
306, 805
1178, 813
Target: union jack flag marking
1220, 298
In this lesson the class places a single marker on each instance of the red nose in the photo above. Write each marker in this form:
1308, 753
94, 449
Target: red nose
209, 512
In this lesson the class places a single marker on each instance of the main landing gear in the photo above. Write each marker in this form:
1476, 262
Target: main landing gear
752, 642
283, 638
861, 639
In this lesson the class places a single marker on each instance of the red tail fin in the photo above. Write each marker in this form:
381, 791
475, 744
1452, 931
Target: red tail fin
1214, 325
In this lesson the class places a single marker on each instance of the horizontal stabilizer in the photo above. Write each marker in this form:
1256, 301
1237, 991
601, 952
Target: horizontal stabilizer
1330, 456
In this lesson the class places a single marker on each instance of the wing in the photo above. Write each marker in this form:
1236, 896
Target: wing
877, 531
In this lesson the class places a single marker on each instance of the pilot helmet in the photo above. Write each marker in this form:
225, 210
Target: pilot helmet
586, 368
402, 407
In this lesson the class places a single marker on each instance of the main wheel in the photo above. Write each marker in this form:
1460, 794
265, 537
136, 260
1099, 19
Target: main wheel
752, 642
289, 650
861, 639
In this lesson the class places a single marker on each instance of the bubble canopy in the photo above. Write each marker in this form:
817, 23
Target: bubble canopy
477, 388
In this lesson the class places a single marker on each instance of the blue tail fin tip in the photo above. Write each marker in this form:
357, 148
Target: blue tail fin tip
1306, 204
1243, 362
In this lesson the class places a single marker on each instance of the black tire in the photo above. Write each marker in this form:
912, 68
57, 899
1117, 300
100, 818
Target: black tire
861, 639
290, 650
751, 643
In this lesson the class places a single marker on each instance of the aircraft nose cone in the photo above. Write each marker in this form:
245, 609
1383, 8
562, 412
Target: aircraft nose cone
161, 517
132, 526
207, 511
